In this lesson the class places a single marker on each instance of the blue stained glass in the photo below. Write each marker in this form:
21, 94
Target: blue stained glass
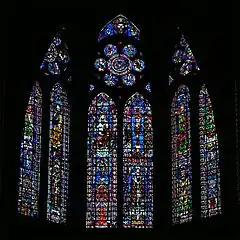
119, 25
183, 54
30, 156
138, 65
110, 79
110, 50
102, 163
129, 79
100, 64
58, 163
129, 50
56, 58
137, 163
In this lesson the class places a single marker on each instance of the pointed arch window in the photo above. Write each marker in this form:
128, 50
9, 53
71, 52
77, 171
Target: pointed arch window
209, 157
181, 157
183, 55
137, 163
102, 163
58, 163
119, 65
119, 25
30, 155
56, 59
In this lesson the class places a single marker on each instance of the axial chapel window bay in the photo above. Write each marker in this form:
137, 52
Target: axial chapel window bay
185, 64
119, 64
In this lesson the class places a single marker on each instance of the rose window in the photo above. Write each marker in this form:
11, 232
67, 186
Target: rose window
119, 65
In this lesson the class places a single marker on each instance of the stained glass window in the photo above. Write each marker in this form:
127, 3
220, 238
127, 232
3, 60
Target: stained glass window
137, 163
209, 158
181, 157
119, 25
102, 163
57, 57
120, 64
30, 156
58, 164
184, 57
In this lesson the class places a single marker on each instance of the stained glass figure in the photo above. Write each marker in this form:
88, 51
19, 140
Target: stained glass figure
91, 88
119, 25
183, 55
30, 156
148, 87
102, 163
170, 80
58, 163
137, 163
123, 64
56, 59
209, 158
181, 157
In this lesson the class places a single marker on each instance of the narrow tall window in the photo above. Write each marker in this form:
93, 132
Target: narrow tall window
137, 163
102, 163
181, 157
30, 156
58, 164
209, 158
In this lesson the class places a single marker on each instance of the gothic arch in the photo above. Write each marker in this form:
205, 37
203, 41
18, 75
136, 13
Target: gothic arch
58, 162
209, 157
102, 163
137, 163
185, 65
119, 66
181, 157
30, 156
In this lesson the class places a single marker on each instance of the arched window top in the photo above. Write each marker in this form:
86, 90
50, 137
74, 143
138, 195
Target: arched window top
30, 155
119, 25
139, 101
184, 58
209, 157
56, 58
182, 89
36, 88
103, 96
58, 95
58, 87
